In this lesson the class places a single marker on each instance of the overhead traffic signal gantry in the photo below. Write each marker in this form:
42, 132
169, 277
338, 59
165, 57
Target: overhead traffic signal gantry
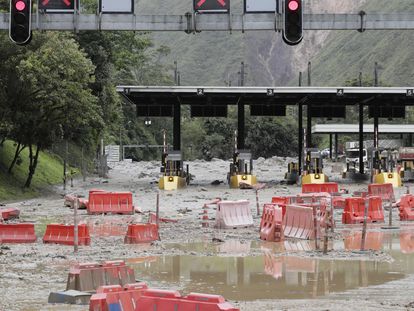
292, 25
20, 28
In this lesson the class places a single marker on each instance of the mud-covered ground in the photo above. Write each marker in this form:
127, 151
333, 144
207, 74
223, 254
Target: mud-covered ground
28, 273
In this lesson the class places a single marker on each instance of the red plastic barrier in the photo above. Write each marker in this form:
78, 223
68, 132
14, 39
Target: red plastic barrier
271, 224
384, 191
233, 214
355, 209
338, 202
109, 298
154, 299
17, 233
406, 207
88, 277
330, 187
153, 219
101, 202
282, 202
141, 233
137, 297
65, 234
9, 213
373, 240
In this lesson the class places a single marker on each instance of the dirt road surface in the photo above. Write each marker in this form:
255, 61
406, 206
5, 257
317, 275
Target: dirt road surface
233, 263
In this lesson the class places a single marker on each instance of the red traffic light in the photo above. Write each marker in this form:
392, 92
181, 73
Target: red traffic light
20, 5
293, 5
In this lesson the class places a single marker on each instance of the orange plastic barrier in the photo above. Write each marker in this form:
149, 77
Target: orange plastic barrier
373, 240
112, 297
9, 213
233, 214
282, 202
406, 207
17, 233
329, 187
355, 208
88, 277
384, 191
101, 202
298, 222
65, 234
338, 202
141, 233
156, 299
271, 228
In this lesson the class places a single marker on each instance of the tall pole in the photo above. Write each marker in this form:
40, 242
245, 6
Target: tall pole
65, 162
375, 110
242, 74
175, 73
300, 136
361, 138
300, 129
177, 127
240, 126
309, 116
240, 114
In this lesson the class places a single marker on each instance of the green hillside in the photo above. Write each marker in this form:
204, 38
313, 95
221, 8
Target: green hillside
49, 172
347, 53
213, 58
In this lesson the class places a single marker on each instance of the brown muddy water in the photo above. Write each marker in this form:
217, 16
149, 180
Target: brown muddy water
278, 270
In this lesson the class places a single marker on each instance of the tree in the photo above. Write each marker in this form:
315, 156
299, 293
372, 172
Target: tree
48, 95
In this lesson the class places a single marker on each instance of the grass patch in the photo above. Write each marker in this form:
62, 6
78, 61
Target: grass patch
48, 172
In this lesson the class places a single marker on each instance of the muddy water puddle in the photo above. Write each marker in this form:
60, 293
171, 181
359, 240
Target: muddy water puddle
276, 270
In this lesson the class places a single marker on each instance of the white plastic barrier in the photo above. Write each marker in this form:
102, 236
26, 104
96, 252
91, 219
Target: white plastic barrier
233, 214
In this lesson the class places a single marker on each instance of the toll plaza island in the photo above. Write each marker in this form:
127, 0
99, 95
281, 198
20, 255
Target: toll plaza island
319, 102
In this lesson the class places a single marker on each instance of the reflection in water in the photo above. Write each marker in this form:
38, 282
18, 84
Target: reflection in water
271, 275
407, 242
373, 240
268, 276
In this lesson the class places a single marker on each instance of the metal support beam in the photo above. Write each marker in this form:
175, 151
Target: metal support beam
300, 136
336, 147
309, 128
177, 127
361, 138
240, 126
376, 130
330, 146
193, 23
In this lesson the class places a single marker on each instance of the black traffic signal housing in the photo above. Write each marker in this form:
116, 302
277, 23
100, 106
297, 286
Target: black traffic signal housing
293, 21
20, 29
